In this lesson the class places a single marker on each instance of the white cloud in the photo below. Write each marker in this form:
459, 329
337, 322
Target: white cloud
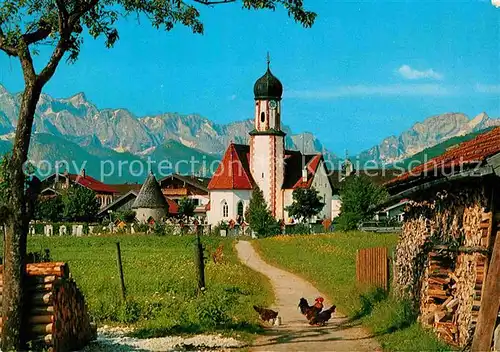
487, 88
410, 73
233, 97
374, 90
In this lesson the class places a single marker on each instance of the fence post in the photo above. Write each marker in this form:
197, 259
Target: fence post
120, 270
199, 261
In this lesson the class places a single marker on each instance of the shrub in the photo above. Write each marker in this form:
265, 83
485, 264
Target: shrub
127, 216
359, 197
348, 221
259, 216
186, 207
210, 310
142, 227
368, 300
306, 204
298, 229
158, 229
50, 209
130, 312
80, 204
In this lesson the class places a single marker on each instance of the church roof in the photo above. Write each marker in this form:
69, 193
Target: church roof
294, 163
150, 196
234, 169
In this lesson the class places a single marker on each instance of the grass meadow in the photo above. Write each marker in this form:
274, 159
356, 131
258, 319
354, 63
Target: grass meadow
160, 279
329, 262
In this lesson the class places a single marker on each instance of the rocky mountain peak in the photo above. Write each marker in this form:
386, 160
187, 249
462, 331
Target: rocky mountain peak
77, 120
78, 99
425, 134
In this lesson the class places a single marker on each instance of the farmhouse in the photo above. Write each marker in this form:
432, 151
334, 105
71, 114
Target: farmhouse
448, 255
175, 187
56, 183
265, 163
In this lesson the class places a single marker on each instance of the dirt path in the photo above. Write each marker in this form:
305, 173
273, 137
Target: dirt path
295, 334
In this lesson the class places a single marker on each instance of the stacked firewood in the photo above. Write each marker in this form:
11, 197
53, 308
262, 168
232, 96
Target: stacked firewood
56, 315
451, 295
440, 299
410, 257
73, 329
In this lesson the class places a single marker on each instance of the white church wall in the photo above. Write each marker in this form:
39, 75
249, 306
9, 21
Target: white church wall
260, 164
231, 197
322, 185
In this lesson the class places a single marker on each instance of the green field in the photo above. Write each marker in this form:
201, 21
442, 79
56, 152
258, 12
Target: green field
161, 284
329, 262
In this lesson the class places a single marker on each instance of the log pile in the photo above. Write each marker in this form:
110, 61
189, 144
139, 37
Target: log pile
56, 315
410, 257
439, 298
442, 259
451, 297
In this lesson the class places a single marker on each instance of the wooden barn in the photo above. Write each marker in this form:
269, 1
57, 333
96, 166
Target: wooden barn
448, 255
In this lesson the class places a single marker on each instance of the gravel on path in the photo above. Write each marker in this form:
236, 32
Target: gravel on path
114, 339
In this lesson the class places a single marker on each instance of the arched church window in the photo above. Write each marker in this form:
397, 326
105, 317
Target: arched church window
262, 117
240, 208
225, 209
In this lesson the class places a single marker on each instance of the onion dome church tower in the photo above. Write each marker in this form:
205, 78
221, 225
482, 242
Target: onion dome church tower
267, 140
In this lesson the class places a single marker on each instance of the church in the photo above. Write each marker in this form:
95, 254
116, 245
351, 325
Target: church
265, 163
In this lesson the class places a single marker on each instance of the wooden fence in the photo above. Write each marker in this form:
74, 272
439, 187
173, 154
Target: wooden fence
372, 267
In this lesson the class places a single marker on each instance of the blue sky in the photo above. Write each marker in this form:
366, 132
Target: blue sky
365, 70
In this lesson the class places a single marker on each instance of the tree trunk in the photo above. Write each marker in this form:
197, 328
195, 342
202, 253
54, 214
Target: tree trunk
17, 225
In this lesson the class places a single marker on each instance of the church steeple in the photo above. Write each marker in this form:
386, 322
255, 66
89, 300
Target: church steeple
268, 86
268, 91
267, 142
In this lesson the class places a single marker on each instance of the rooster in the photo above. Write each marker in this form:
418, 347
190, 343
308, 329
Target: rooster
320, 319
266, 314
311, 311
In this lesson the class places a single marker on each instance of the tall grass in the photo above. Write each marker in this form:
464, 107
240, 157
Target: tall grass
161, 283
329, 262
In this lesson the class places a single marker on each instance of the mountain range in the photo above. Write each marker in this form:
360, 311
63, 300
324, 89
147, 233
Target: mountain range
75, 129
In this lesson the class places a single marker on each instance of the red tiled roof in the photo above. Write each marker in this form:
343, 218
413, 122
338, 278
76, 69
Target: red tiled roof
468, 153
234, 170
92, 183
173, 207
312, 168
